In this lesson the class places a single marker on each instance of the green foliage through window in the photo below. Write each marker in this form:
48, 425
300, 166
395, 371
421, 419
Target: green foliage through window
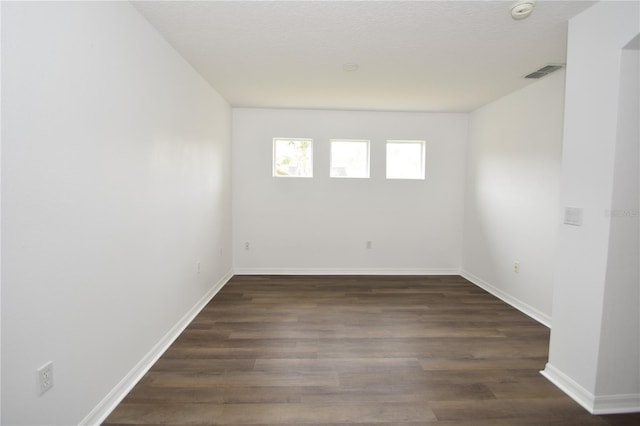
293, 157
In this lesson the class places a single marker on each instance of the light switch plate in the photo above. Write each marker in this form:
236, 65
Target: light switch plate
573, 216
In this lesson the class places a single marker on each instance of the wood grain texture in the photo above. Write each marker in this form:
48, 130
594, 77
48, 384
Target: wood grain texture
306, 350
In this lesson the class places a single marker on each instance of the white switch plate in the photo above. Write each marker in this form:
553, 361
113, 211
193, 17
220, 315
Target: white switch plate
573, 216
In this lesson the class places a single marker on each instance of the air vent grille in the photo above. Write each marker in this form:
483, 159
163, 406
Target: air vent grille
547, 69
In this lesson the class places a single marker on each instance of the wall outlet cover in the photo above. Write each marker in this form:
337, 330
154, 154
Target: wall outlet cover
45, 377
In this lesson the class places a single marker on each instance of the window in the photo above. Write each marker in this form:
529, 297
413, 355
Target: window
405, 159
350, 158
293, 157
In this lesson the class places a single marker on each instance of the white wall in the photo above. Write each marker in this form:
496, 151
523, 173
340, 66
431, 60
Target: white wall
115, 182
583, 284
320, 225
620, 344
512, 187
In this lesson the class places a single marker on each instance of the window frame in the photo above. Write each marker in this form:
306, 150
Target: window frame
367, 142
274, 157
423, 159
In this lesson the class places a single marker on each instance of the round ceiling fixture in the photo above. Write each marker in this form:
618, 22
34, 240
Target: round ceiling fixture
522, 9
350, 67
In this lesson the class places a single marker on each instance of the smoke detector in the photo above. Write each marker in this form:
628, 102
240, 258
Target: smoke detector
522, 9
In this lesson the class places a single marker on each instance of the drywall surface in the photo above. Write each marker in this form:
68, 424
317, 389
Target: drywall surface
589, 171
618, 371
322, 224
115, 183
512, 189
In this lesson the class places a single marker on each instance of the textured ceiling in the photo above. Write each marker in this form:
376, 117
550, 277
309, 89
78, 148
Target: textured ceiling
412, 55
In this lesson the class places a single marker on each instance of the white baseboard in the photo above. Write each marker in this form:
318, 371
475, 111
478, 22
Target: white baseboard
567, 385
616, 404
601, 404
523, 307
346, 271
117, 394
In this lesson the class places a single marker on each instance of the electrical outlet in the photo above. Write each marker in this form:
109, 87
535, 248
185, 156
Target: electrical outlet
45, 377
247, 246
516, 267
369, 244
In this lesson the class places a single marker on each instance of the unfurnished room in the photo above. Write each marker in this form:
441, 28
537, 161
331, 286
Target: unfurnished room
320, 213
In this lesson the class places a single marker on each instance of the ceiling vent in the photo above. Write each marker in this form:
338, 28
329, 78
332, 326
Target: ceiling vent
547, 69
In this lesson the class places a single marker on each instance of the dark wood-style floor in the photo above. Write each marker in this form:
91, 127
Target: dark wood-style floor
292, 350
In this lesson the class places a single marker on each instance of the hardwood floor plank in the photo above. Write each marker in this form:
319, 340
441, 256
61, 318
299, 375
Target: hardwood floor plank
544, 410
394, 392
338, 364
442, 363
203, 365
168, 412
243, 378
305, 413
336, 350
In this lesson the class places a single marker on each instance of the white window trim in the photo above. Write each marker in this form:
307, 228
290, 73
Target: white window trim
423, 149
367, 141
273, 158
